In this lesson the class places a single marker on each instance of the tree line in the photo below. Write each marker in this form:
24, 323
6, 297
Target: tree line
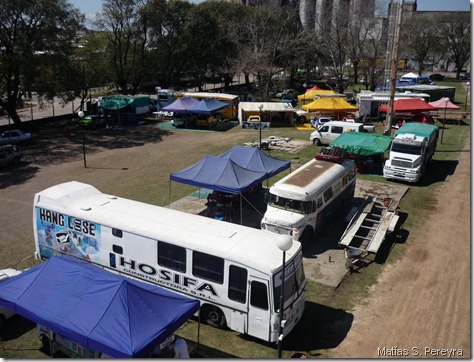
139, 44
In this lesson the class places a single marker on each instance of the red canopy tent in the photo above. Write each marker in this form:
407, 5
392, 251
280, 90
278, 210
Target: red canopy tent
442, 104
409, 105
314, 88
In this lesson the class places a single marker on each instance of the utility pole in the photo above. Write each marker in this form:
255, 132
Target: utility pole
394, 68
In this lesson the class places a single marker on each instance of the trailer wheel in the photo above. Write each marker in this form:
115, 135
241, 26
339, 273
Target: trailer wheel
213, 316
264, 146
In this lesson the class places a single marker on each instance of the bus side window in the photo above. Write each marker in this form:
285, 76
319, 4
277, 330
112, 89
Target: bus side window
319, 202
208, 267
259, 295
117, 233
172, 256
315, 207
237, 284
328, 194
352, 173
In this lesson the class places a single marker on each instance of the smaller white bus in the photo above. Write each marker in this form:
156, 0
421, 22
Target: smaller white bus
235, 271
308, 198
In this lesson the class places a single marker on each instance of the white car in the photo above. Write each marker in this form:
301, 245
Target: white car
13, 137
6, 274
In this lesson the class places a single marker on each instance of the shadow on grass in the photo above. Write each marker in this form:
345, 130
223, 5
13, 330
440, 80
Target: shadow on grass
15, 327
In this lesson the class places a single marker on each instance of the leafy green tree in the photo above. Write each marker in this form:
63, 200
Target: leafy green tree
126, 31
36, 46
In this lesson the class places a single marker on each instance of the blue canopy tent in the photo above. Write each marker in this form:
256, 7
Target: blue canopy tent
220, 174
104, 311
182, 105
208, 106
236, 171
254, 159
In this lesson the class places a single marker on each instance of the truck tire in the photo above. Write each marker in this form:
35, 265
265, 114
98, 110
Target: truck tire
317, 142
265, 146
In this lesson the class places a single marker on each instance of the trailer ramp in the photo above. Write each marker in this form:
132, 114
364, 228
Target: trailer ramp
368, 227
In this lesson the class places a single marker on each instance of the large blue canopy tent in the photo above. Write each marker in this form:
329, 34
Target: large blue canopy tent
182, 104
254, 159
220, 174
208, 106
104, 311
236, 171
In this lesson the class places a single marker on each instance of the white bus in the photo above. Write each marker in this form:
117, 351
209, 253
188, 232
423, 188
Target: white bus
235, 271
308, 198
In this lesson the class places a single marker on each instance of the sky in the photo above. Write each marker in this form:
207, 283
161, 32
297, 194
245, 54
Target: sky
90, 7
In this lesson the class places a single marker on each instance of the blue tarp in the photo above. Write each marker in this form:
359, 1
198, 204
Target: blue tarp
236, 171
254, 159
208, 106
219, 174
106, 312
182, 104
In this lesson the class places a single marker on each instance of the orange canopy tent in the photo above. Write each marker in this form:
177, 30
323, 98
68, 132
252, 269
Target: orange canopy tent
330, 104
312, 93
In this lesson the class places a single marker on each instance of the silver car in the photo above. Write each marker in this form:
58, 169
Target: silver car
14, 136
10, 154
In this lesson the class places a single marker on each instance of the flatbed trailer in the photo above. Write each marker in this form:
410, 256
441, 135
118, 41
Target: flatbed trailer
368, 227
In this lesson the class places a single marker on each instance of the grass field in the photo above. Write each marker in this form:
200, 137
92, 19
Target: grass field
327, 318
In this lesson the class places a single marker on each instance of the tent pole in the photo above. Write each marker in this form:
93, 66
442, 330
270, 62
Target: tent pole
199, 332
241, 217
169, 195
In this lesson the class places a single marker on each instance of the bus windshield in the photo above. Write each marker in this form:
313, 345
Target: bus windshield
302, 207
294, 280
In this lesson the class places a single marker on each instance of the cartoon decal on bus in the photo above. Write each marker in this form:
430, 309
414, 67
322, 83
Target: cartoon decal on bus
67, 234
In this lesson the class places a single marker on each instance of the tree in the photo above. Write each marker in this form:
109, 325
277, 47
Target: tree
36, 48
455, 30
264, 37
421, 40
126, 33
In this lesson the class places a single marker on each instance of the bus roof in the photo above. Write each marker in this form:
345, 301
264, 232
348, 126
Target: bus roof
310, 179
252, 247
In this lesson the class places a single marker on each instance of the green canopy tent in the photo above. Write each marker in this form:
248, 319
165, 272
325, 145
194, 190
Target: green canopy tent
125, 108
367, 149
363, 144
126, 104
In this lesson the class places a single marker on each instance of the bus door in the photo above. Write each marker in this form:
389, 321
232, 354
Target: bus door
259, 316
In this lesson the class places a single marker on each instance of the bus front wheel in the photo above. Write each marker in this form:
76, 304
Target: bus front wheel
307, 236
214, 317
45, 344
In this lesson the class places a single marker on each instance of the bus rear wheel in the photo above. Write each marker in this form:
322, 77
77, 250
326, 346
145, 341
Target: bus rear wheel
213, 316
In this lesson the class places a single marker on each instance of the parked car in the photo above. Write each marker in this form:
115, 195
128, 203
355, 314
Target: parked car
10, 154
319, 120
14, 136
5, 313
92, 121
436, 76
465, 75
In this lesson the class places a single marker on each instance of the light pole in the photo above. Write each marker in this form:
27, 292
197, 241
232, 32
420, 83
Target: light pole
284, 243
260, 107
444, 119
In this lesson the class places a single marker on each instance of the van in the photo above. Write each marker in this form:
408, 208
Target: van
328, 132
